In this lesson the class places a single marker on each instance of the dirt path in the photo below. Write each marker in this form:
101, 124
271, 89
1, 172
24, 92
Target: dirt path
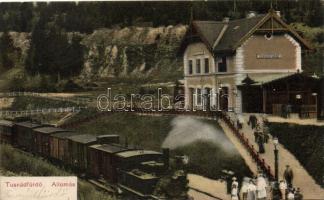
212, 187
302, 179
314, 122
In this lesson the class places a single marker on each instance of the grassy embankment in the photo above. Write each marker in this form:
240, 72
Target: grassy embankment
306, 143
149, 132
34, 102
15, 163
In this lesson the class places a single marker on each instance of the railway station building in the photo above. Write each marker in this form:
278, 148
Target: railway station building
252, 64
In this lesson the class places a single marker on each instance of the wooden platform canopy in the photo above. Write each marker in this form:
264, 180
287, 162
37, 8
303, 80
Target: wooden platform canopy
276, 93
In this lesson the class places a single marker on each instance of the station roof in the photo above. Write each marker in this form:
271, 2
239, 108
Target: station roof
261, 79
226, 36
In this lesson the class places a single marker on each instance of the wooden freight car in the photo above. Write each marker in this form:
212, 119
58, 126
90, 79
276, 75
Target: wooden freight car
6, 135
78, 148
42, 136
24, 134
102, 161
59, 148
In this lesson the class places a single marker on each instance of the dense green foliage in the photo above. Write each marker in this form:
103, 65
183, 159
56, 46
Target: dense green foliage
149, 132
8, 52
15, 163
306, 143
51, 52
57, 53
87, 16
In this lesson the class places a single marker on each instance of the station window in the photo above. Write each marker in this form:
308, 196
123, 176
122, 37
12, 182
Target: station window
198, 66
206, 65
222, 66
190, 67
198, 96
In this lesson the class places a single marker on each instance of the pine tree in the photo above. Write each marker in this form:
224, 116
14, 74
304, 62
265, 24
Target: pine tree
7, 52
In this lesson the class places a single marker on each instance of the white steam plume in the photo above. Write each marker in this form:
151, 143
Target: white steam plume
186, 130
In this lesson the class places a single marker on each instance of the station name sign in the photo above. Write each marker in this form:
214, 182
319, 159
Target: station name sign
268, 56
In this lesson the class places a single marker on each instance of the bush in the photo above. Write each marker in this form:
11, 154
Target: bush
69, 86
306, 143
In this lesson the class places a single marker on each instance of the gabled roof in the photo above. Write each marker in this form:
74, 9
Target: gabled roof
222, 36
209, 30
235, 31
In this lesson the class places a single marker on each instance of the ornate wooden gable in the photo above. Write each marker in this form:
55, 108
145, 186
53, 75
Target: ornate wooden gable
272, 23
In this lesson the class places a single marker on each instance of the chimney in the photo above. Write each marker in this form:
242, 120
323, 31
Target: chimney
278, 13
166, 157
251, 14
226, 19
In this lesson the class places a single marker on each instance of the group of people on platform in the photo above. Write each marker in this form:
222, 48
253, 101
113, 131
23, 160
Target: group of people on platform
261, 131
259, 188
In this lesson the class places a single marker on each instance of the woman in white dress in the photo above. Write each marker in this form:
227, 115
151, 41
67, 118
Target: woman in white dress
244, 188
251, 191
283, 188
261, 188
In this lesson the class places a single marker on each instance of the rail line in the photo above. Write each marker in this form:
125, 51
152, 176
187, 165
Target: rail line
220, 115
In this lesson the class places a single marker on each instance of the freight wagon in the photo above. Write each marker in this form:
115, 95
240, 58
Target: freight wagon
24, 134
59, 146
102, 160
78, 147
42, 139
6, 135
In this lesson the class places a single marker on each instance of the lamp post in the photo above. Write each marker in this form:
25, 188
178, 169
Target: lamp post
275, 143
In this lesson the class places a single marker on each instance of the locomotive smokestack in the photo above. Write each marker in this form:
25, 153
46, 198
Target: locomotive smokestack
166, 157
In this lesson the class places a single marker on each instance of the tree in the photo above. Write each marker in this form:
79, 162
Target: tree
51, 52
7, 52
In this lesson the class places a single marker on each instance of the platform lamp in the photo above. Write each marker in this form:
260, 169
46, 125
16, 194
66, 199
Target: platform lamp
275, 143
